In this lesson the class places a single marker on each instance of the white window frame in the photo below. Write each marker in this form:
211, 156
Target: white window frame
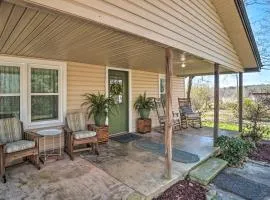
25, 65
20, 66
161, 76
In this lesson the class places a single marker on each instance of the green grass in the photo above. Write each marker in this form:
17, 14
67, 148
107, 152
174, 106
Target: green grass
222, 125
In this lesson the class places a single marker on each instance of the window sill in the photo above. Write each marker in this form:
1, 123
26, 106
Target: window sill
45, 124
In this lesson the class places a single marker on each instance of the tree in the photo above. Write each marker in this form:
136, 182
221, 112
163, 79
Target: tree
261, 28
190, 78
200, 97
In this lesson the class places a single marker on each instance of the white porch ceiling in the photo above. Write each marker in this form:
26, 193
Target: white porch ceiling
40, 33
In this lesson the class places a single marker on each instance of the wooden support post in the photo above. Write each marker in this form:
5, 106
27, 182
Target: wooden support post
240, 103
169, 117
216, 102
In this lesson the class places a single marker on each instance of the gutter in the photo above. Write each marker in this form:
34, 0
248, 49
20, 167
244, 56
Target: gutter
245, 21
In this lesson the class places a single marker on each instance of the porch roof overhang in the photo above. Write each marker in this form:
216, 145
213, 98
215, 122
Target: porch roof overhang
31, 30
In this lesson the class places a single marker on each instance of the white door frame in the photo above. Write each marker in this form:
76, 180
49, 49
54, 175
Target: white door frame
129, 92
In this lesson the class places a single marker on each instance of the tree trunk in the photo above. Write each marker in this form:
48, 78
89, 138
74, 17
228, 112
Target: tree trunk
168, 114
190, 78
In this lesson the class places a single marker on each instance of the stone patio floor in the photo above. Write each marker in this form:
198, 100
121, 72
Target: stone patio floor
121, 172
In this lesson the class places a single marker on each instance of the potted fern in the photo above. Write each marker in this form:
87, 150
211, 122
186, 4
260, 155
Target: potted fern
98, 106
144, 105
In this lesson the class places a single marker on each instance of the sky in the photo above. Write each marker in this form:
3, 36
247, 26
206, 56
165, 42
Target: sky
256, 12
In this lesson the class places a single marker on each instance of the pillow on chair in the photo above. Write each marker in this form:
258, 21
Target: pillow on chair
10, 130
76, 121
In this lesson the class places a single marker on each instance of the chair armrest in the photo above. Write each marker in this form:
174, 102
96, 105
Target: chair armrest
67, 130
29, 135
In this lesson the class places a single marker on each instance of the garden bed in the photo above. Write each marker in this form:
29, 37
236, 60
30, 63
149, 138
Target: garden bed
184, 190
262, 152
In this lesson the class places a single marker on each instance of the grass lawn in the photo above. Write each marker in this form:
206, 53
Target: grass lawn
222, 125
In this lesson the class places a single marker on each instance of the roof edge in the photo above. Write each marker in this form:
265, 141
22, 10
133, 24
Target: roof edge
245, 21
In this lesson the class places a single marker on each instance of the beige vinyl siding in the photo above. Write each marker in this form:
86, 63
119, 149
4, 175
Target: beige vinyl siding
83, 78
149, 82
178, 87
189, 25
144, 82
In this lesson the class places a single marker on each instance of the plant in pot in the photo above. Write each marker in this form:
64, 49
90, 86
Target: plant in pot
144, 105
98, 106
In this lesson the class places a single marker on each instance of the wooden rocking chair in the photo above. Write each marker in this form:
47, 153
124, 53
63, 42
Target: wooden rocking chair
160, 109
16, 144
188, 116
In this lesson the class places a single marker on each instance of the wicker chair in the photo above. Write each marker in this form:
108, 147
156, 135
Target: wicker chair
77, 134
188, 116
16, 144
160, 109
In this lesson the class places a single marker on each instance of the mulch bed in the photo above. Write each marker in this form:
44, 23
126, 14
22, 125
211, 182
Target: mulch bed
184, 190
262, 153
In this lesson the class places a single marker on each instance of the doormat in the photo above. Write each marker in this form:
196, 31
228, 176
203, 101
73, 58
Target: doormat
125, 138
158, 148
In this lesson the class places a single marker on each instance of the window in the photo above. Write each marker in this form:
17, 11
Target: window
33, 90
44, 94
162, 87
9, 91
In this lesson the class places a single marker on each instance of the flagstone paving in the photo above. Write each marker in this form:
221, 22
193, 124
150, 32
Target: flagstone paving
250, 182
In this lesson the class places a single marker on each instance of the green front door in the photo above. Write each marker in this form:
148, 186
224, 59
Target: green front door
118, 120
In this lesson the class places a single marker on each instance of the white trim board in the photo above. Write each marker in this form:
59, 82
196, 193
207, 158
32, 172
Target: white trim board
130, 120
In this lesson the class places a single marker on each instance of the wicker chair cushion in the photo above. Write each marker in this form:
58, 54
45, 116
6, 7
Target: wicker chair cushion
19, 146
10, 130
84, 134
76, 121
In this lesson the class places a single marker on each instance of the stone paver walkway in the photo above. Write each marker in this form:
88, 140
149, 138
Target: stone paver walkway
251, 182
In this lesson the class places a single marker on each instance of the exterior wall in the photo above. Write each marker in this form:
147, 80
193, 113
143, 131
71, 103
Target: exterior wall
82, 78
144, 82
189, 25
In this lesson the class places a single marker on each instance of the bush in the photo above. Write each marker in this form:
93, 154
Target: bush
234, 150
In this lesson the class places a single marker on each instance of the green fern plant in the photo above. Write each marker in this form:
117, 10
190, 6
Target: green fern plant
144, 105
98, 106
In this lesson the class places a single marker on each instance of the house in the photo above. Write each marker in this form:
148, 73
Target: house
52, 52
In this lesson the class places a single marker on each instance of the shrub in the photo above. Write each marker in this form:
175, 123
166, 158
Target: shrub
253, 132
234, 149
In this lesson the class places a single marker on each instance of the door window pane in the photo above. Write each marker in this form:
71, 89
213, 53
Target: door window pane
44, 80
44, 107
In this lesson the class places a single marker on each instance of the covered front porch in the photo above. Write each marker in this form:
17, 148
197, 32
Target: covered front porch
122, 171
81, 49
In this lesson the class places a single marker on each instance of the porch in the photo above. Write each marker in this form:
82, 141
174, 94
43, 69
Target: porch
126, 172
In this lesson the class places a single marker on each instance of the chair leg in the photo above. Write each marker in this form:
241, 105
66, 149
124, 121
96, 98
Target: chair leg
96, 149
4, 179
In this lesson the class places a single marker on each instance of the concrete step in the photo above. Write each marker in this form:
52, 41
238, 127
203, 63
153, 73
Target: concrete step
208, 170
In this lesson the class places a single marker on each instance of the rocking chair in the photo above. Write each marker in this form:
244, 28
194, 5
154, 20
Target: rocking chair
159, 106
188, 116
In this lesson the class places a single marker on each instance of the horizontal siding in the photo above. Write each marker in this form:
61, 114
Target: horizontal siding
83, 78
178, 87
144, 82
189, 25
149, 82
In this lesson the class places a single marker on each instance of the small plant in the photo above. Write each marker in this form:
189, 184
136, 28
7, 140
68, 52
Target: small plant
98, 106
234, 149
144, 105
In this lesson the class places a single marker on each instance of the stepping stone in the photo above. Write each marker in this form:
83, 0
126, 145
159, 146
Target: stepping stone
208, 170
